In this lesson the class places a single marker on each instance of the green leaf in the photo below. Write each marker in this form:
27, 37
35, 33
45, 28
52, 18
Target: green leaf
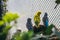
6, 29
9, 16
1, 23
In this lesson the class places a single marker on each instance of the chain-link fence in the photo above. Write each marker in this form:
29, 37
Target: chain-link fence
48, 6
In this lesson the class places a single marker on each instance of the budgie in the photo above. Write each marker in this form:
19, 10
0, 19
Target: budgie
37, 18
45, 20
29, 24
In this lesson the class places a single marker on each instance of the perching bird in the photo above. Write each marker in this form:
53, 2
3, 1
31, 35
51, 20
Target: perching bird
37, 18
29, 24
57, 3
45, 20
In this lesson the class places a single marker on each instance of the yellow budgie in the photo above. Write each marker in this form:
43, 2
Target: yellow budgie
37, 18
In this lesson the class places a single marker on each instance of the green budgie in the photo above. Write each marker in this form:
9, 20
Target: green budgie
37, 18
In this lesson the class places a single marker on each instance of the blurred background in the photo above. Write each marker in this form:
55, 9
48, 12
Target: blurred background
27, 9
